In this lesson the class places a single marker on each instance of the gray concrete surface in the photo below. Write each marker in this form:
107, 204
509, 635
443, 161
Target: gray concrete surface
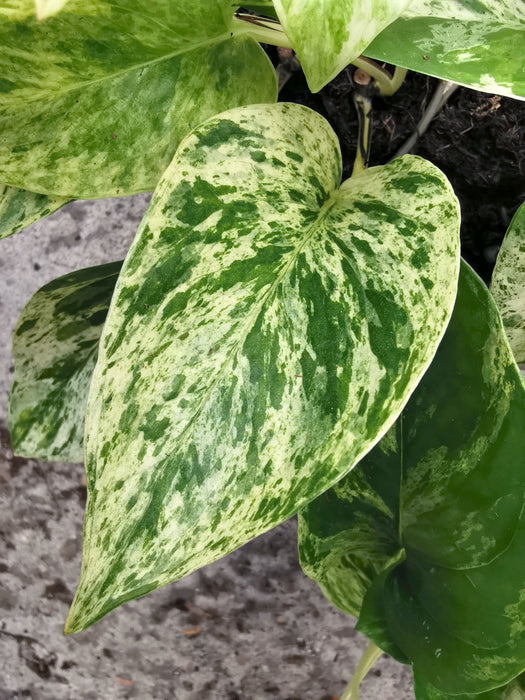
248, 627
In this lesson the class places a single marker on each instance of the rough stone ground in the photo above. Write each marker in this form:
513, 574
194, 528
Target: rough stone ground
248, 627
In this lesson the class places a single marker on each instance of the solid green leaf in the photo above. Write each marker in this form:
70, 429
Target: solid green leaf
508, 284
266, 330
479, 44
328, 35
94, 101
55, 345
20, 208
425, 538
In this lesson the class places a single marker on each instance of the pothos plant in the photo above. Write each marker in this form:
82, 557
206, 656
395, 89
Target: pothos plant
275, 342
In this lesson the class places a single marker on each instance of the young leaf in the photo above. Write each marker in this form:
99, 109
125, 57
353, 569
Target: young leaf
266, 330
328, 35
425, 537
475, 44
20, 208
508, 284
95, 100
55, 345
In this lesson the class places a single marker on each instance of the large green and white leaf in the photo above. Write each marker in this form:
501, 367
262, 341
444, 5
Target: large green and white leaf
20, 208
329, 35
266, 330
425, 538
55, 345
48, 8
478, 44
508, 284
94, 101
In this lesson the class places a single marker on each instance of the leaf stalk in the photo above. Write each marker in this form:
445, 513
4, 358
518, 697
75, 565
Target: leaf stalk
371, 655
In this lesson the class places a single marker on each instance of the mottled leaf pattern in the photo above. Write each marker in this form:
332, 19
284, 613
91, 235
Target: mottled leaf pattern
20, 208
425, 538
508, 284
48, 8
328, 35
515, 690
94, 101
55, 346
478, 44
266, 330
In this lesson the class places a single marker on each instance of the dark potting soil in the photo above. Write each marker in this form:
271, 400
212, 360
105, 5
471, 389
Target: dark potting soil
477, 140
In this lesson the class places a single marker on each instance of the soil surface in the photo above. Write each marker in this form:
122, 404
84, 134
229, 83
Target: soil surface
477, 140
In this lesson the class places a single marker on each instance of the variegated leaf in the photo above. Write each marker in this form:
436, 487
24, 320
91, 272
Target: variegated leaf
508, 284
425, 538
94, 101
328, 35
55, 345
478, 44
20, 208
515, 690
266, 330
48, 8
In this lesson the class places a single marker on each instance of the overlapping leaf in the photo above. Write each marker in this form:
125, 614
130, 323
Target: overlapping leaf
328, 35
508, 284
425, 538
266, 330
20, 208
478, 44
515, 690
94, 101
55, 345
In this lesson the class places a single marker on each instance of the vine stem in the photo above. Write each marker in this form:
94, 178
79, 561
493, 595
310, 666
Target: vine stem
363, 105
262, 29
386, 84
443, 91
371, 655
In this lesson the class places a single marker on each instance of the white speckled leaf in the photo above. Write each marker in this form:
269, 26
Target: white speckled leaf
266, 330
48, 8
425, 539
94, 101
55, 345
328, 35
20, 208
478, 44
508, 284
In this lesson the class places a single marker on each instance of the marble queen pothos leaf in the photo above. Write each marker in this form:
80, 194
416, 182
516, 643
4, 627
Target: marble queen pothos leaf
267, 328
425, 538
508, 284
328, 35
479, 44
94, 101
20, 208
55, 345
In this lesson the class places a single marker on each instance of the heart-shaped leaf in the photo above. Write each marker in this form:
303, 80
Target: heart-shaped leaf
425, 538
478, 44
508, 284
94, 101
329, 35
55, 345
266, 330
20, 208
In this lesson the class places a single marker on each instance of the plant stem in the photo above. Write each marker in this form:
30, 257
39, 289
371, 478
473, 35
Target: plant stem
371, 655
363, 105
386, 84
443, 91
262, 29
